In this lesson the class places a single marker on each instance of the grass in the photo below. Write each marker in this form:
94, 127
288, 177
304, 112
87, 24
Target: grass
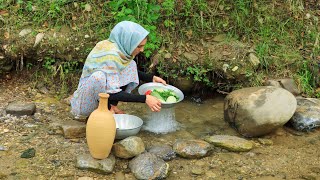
284, 39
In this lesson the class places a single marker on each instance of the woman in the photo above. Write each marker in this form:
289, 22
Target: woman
109, 68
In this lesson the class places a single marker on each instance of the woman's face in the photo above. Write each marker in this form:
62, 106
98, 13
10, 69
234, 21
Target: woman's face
139, 48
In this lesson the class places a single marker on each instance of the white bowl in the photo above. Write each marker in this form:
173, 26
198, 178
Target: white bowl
151, 86
127, 125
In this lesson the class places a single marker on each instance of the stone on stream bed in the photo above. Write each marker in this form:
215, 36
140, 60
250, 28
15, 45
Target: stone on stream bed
104, 166
231, 143
129, 147
192, 148
164, 152
149, 166
21, 109
307, 115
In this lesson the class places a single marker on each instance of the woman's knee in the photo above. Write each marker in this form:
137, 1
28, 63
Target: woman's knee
98, 75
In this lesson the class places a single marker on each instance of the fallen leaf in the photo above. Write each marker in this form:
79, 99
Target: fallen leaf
4, 12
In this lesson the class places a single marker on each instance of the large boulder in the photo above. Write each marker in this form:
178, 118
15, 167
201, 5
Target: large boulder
257, 111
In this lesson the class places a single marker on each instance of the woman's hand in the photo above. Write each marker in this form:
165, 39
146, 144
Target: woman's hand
153, 103
159, 80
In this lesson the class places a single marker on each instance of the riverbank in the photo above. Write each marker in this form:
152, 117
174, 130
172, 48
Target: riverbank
284, 154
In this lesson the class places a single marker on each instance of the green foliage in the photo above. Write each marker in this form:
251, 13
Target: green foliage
143, 12
199, 74
307, 79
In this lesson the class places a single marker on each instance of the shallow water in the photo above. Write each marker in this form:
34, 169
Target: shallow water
196, 120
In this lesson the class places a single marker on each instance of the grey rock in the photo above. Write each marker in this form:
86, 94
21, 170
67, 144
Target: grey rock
290, 85
164, 152
231, 143
87, 162
129, 147
257, 111
307, 115
21, 109
192, 148
149, 166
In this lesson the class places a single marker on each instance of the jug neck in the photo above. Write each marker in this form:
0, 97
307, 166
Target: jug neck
103, 103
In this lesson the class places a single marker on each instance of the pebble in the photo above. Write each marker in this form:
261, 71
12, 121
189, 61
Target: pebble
119, 176
2, 148
197, 171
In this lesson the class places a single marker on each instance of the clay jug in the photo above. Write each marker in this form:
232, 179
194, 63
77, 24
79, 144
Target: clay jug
101, 129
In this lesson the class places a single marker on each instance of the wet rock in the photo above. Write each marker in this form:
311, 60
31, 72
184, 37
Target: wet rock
190, 56
104, 166
73, 129
21, 109
191, 148
257, 111
29, 153
267, 142
307, 115
129, 147
231, 143
290, 85
164, 152
149, 166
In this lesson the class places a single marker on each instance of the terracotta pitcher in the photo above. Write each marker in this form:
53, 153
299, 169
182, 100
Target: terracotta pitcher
101, 129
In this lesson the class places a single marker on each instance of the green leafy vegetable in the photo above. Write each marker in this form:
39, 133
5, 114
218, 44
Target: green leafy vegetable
164, 94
